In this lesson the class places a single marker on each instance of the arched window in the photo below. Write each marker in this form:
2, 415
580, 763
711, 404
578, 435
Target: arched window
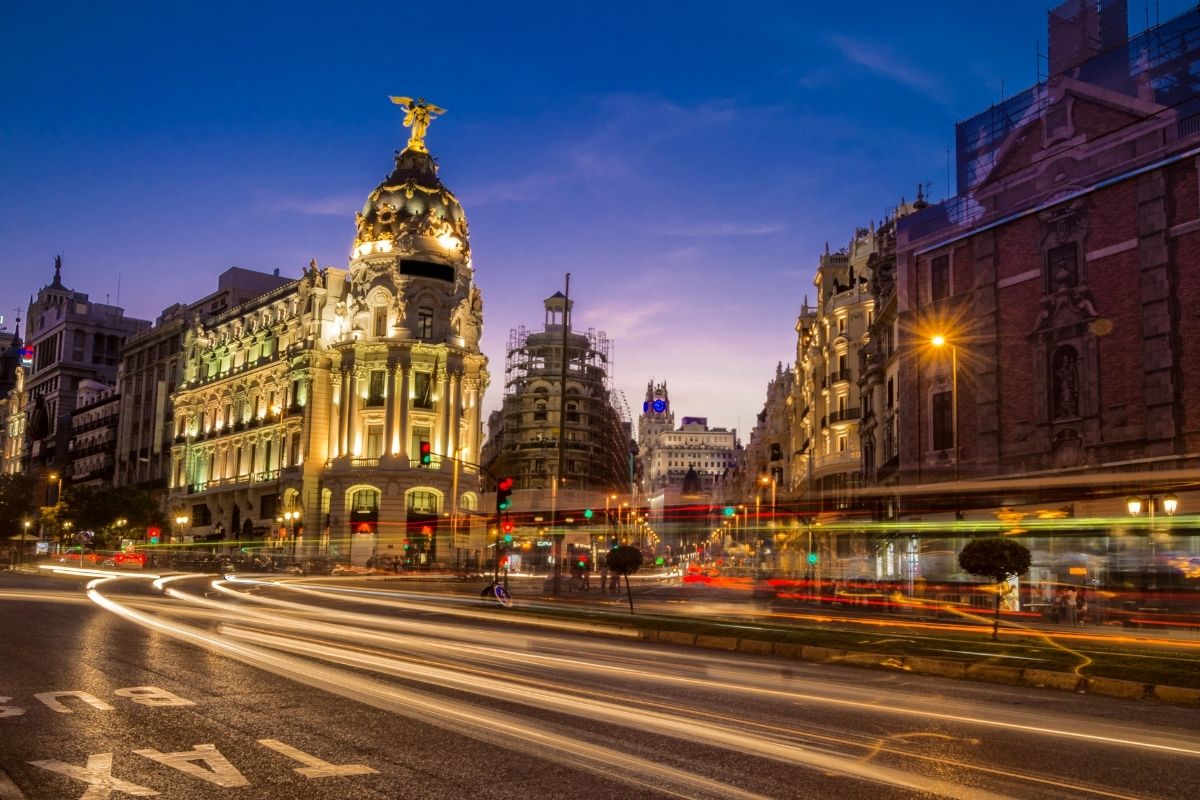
468, 502
422, 502
364, 500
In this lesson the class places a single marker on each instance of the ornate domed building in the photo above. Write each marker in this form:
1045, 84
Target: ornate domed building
303, 414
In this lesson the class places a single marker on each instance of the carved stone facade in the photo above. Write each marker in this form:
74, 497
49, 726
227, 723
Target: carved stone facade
311, 401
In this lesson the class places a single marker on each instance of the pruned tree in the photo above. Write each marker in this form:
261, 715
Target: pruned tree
998, 560
625, 560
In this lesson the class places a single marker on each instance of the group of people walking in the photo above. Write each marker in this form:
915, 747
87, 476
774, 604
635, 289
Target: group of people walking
1070, 605
581, 578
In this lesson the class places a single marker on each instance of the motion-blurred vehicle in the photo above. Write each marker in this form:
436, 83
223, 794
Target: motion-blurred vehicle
79, 556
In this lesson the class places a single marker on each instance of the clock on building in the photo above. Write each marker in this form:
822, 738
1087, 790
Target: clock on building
659, 405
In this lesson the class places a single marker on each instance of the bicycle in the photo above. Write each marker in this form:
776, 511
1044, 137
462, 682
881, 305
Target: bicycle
497, 591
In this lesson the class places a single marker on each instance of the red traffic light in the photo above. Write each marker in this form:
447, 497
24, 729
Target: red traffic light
426, 454
504, 490
507, 526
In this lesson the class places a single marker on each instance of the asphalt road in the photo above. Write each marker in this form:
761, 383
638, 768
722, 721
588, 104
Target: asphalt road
320, 689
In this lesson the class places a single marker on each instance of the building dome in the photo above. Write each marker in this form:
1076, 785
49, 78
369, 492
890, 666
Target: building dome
412, 212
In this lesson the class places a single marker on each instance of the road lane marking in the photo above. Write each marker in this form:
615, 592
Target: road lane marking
152, 696
51, 701
317, 768
219, 771
97, 775
10, 711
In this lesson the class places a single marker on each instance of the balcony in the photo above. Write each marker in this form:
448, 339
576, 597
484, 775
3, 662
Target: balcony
845, 415
845, 458
364, 463
837, 376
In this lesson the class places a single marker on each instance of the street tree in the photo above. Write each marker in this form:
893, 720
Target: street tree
16, 502
998, 560
625, 560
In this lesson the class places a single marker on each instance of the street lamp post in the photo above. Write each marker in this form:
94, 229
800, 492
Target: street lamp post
1170, 504
182, 521
24, 535
292, 521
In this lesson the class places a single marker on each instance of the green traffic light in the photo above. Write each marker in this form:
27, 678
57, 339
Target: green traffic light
729, 511
508, 537
587, 513
812, 558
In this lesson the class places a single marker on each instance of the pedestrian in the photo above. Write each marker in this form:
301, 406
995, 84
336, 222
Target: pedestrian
1081, 605
603, 575
1070, 606
1059, 607
586, 569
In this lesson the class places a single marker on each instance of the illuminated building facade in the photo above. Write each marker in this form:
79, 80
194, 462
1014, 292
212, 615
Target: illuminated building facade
73, 340
300, 414
668, 453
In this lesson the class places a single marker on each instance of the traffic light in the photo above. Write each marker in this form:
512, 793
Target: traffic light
426, 454
729, 511
504, 489
153, 534
587, 513
812, 558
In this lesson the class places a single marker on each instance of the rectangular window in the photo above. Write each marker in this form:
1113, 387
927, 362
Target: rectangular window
943, 421
375, 387
422, 390
424, 323
381, 321
939, 278
374, 441
891, 393
1062, 266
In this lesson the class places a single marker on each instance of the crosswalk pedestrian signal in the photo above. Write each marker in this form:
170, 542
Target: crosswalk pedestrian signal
426, 454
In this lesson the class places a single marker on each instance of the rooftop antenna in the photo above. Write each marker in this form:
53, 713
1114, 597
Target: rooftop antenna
118, 288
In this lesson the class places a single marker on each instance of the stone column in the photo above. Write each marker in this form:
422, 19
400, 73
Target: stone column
353, 416
455, 415
404, 432
441, 434
473, 419
343, 413
389, 413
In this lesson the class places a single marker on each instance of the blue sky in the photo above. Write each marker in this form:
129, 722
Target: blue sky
685, 163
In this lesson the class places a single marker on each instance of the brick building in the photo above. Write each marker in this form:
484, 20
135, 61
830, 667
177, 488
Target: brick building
1064, 280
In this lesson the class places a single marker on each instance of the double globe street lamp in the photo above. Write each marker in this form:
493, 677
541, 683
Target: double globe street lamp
1135, 504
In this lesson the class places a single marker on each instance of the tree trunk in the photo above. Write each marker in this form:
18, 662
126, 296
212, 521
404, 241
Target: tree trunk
996, 620
629, 592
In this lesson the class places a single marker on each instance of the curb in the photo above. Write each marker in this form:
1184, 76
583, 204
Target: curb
939, 667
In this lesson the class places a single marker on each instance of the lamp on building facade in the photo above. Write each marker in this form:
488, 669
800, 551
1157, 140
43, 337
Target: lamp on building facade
939, 341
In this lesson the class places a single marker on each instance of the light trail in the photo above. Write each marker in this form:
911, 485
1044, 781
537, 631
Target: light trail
435, 654
485, 724
735, 682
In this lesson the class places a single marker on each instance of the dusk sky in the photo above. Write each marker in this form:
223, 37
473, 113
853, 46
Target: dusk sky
685, 162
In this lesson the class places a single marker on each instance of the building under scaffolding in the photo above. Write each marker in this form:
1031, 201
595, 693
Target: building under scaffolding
524, 434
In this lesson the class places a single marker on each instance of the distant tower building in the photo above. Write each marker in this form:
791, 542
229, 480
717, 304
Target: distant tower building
693, 454
73, 340
523, 436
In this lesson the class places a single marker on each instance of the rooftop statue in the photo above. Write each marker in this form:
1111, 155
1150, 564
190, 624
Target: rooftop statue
418, 118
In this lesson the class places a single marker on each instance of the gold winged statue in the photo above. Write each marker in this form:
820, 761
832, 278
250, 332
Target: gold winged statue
418, 117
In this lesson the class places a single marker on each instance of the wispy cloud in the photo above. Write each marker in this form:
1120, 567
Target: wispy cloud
623, 319
332, 206
726, 228
883, 61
